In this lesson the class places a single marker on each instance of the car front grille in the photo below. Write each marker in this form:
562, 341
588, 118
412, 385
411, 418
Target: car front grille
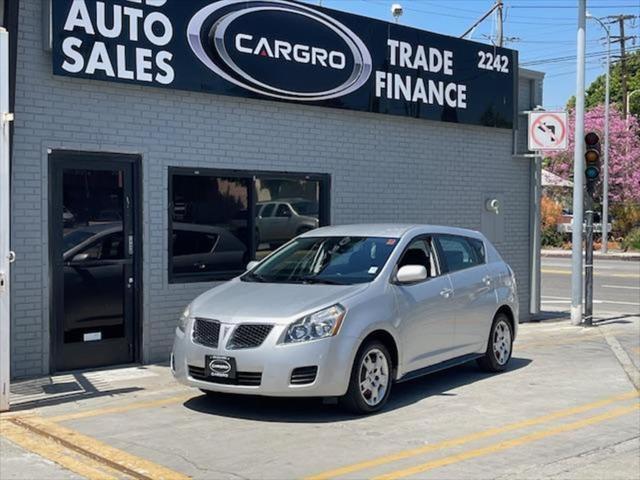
304, 375
248, 336
246, 379
206, 332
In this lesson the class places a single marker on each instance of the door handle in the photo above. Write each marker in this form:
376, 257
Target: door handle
486, 280
446, 292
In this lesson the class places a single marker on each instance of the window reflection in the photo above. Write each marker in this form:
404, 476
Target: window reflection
210, 225
286, 208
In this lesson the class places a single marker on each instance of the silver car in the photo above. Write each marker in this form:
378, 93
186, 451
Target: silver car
347, 311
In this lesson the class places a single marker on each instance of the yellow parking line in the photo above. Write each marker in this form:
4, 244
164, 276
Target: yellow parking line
596, 274
120, 409
471, 437
55, 452
93, 450
516, 442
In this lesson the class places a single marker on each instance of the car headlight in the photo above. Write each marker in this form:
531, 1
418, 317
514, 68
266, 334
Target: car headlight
322, 324
183, 321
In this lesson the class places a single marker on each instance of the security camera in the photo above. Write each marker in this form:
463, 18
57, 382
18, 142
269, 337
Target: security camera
397, 10
493, 205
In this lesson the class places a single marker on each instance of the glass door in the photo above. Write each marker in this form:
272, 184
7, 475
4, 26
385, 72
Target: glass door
93, 223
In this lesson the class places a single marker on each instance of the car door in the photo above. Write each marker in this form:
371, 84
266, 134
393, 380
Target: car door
427, 324
474, 300
281, 222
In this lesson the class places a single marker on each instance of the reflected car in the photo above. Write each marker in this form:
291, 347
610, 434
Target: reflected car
348, 311
279, 221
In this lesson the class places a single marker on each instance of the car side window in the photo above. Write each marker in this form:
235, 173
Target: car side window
478, 248
420, 252
283, 210
267, 210
458, 253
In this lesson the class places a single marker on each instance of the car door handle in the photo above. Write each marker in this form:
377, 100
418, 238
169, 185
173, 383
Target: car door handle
486, 280
446, 292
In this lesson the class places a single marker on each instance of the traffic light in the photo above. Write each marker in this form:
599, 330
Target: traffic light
592, 157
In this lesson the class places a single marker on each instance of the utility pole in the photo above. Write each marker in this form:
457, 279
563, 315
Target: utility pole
500, 22
578, 173
605, 178
621, 19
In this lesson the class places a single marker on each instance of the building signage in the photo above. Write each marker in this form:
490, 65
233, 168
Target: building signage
287, 51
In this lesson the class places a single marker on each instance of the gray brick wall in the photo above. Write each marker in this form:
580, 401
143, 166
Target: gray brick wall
384, 169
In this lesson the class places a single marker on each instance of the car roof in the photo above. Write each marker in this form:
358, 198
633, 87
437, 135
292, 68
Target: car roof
392, 230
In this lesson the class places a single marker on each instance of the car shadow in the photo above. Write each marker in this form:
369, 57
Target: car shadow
315, 410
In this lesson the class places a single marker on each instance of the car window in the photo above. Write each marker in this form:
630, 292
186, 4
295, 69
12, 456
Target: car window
283, 210
458, 253
110, 247
420, 252
478, 249
187, 242
267, 210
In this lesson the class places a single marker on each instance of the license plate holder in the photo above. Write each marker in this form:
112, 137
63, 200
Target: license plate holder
220, 366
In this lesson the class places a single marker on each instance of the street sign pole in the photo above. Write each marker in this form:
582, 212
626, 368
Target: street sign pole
578, 176
536, 225
5, 255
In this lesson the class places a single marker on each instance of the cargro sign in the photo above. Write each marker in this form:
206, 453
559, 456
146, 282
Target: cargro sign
287, 51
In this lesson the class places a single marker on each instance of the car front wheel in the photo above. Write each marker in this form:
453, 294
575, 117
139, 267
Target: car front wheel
371, 379
500, 345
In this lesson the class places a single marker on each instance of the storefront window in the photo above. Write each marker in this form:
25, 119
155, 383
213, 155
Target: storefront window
221, 221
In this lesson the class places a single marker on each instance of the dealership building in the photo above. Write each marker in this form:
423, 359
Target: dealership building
158, 146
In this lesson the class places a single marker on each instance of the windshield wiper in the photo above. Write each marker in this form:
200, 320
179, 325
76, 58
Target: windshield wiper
326, 281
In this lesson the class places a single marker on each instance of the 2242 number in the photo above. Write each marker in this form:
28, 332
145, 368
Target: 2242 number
489, 61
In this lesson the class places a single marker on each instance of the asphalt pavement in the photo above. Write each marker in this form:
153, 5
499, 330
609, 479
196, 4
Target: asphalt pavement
616, 287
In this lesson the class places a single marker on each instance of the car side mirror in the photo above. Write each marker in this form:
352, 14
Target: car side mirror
411, 274
251, 265
80, 257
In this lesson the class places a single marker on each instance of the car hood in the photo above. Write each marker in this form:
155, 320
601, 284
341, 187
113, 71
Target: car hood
279, 303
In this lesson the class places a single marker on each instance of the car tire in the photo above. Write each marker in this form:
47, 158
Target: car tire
360, 398
499, 346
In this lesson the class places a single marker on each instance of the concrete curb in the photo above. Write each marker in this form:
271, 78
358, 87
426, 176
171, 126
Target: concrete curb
630, 257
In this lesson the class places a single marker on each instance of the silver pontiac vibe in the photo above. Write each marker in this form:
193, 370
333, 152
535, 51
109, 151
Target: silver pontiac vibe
347, 311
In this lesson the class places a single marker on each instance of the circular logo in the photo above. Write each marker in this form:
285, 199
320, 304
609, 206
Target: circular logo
219, 366
279, 49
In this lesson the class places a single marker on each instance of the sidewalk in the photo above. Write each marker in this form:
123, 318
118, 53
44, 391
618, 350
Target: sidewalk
566, 408
559, 253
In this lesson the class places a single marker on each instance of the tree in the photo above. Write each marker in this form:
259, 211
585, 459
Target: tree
595, 93
624, 153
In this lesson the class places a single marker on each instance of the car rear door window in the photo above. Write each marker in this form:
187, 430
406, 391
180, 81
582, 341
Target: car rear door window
457, 252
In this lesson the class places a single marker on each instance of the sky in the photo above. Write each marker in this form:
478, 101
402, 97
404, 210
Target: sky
543, 31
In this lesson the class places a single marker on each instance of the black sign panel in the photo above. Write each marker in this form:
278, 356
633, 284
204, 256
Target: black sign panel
287, 51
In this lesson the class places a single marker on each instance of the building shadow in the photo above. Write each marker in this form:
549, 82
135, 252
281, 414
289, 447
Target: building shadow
315, 410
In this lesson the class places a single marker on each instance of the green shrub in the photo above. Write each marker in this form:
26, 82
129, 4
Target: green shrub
632, 240
550, 237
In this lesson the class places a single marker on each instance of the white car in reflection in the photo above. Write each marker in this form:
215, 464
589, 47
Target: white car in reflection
347, 311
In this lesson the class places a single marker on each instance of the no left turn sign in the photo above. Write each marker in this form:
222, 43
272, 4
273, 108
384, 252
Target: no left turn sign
547, 131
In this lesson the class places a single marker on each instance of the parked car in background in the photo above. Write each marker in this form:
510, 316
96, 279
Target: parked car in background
347, 311
279, 221
68, 218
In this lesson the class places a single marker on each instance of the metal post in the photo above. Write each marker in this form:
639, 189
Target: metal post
588, 258
536, 194
500, 24
5, 318
578, 173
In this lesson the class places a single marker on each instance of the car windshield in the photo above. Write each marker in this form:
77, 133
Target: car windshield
327, 260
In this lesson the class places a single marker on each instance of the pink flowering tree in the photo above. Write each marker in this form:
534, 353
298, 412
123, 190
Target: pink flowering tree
624, 154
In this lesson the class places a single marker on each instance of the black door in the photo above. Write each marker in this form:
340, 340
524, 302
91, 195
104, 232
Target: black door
94, 268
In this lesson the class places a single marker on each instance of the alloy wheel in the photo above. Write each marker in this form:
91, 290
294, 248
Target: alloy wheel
374, 377
502, 342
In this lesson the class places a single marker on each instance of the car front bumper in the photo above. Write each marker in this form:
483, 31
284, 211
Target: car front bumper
332, 356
